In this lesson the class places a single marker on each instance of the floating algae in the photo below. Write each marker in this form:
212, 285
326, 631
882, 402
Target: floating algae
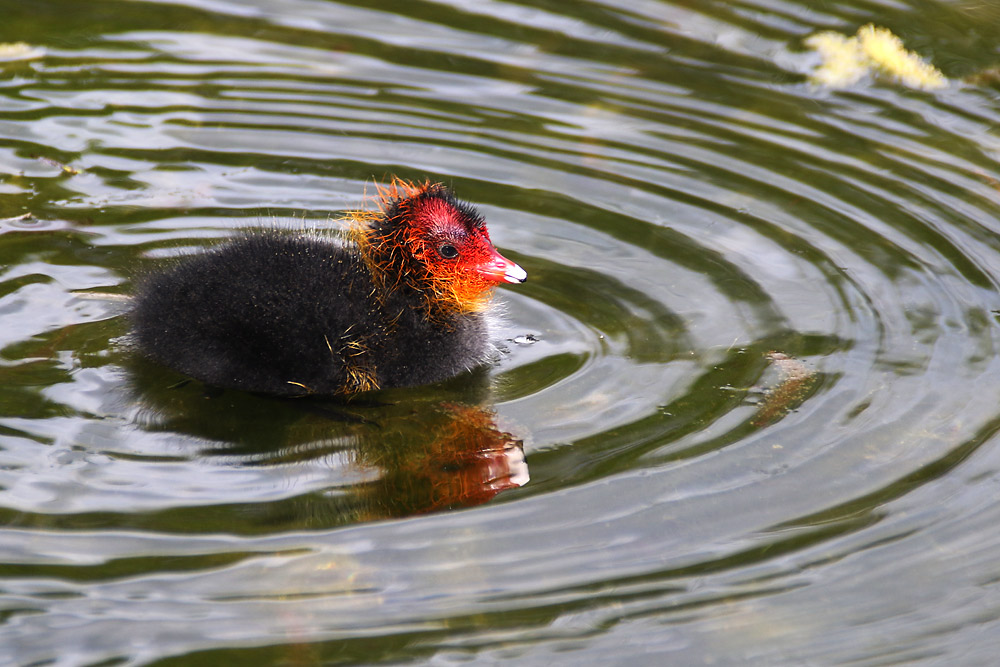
875, 51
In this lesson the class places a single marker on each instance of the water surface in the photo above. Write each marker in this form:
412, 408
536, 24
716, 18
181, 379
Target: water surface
746, 408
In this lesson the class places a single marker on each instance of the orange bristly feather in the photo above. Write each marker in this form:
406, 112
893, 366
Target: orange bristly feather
449, 288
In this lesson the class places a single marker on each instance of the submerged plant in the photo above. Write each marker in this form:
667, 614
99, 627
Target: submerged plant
795, 381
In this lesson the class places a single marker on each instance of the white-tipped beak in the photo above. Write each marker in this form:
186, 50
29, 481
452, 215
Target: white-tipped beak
515, 274
502, 270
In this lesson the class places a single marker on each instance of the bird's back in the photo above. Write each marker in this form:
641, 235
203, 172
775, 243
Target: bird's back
295, 314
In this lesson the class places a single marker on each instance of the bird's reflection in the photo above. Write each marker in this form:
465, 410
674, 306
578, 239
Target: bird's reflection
391, 454
462, 460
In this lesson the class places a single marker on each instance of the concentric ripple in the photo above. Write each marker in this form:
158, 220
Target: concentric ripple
744, 409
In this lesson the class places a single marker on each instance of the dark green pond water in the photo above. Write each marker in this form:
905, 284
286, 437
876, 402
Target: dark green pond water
747, 406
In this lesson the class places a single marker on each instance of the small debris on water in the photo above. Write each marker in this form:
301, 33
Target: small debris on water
525, 339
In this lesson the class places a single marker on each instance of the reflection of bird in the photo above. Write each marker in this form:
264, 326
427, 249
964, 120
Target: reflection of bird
459, 459
401, 304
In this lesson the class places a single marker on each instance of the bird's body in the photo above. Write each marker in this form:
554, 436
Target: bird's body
294, 314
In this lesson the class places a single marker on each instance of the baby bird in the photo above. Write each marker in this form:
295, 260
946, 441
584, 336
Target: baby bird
401, 303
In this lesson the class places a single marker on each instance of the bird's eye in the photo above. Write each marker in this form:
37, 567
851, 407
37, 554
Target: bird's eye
448, 251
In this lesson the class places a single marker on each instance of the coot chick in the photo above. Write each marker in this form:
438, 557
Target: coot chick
402, 302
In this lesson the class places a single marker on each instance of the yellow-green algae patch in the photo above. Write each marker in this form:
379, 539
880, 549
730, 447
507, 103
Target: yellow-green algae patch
875, 51
19, 51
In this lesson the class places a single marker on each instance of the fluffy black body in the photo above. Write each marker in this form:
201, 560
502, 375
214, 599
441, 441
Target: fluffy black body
294, 315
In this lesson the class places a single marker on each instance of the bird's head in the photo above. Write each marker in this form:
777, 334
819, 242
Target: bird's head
423, 238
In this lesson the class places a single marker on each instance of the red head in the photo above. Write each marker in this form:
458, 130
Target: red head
425, 238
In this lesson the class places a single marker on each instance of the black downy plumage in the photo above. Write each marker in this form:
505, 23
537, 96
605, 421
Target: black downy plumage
401, 303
